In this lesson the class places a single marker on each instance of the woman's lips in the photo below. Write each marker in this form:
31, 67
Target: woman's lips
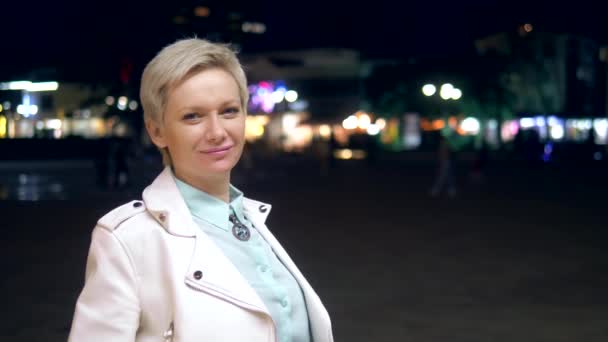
217, 151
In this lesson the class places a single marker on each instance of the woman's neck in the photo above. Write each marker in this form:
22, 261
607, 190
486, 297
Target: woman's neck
216, 186
219, 191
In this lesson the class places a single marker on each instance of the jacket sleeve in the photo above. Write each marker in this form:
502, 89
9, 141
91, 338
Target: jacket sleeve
108, 307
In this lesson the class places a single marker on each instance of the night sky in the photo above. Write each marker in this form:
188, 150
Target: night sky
92, 37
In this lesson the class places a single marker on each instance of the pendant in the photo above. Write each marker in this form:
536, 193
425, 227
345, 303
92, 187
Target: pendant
239, 230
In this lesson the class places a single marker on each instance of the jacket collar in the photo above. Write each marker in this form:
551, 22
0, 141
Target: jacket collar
166, 204
256, 210
209, 270
212, 209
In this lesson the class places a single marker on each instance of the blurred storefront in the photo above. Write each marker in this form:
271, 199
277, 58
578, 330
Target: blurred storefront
279, 120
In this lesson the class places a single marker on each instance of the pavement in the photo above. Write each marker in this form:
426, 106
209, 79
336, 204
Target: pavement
521, 256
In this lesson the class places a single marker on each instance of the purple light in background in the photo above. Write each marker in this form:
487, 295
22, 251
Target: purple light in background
261, 97
514, 127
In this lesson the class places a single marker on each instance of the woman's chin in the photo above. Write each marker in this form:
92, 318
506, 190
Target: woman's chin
219, 168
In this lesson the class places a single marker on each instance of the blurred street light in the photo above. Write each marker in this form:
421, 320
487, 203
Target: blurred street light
429, 90
526, 122
3, 127
470, 125
373, 129
446, 91
29, 86
122, 103
364, 121
556, 132
350, 122
277, 96
202, 11
253, 27
27, 110
325, 131
291, 96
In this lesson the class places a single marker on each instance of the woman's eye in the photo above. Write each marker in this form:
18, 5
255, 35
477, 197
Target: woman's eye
190, 116
232, 111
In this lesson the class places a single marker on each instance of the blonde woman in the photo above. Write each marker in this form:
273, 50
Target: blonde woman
194, 260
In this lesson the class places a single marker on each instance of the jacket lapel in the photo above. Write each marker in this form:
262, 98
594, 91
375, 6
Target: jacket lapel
209, 271
166, 204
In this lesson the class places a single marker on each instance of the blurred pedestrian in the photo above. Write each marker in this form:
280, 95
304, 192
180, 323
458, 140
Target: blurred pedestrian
444, 180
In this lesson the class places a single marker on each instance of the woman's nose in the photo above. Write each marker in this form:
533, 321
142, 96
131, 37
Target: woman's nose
215, 130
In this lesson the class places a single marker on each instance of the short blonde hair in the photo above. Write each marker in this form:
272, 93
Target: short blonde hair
178, 61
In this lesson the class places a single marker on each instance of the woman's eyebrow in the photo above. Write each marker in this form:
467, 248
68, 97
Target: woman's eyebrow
223, 104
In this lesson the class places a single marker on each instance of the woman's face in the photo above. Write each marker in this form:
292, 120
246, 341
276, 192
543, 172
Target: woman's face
203, 126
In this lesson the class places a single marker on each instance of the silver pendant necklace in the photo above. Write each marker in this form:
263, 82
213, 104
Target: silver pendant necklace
239, 230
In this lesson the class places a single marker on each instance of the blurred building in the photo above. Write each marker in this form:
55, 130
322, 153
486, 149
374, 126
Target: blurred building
603, 76
547, 73
52, 110
226, 21
305, 94
328, 80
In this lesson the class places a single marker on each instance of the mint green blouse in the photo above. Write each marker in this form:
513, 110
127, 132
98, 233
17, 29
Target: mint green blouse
254, 258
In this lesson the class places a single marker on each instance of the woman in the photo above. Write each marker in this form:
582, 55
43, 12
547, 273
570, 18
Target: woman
194, 260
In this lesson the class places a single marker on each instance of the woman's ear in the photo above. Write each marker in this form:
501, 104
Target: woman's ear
156, 133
